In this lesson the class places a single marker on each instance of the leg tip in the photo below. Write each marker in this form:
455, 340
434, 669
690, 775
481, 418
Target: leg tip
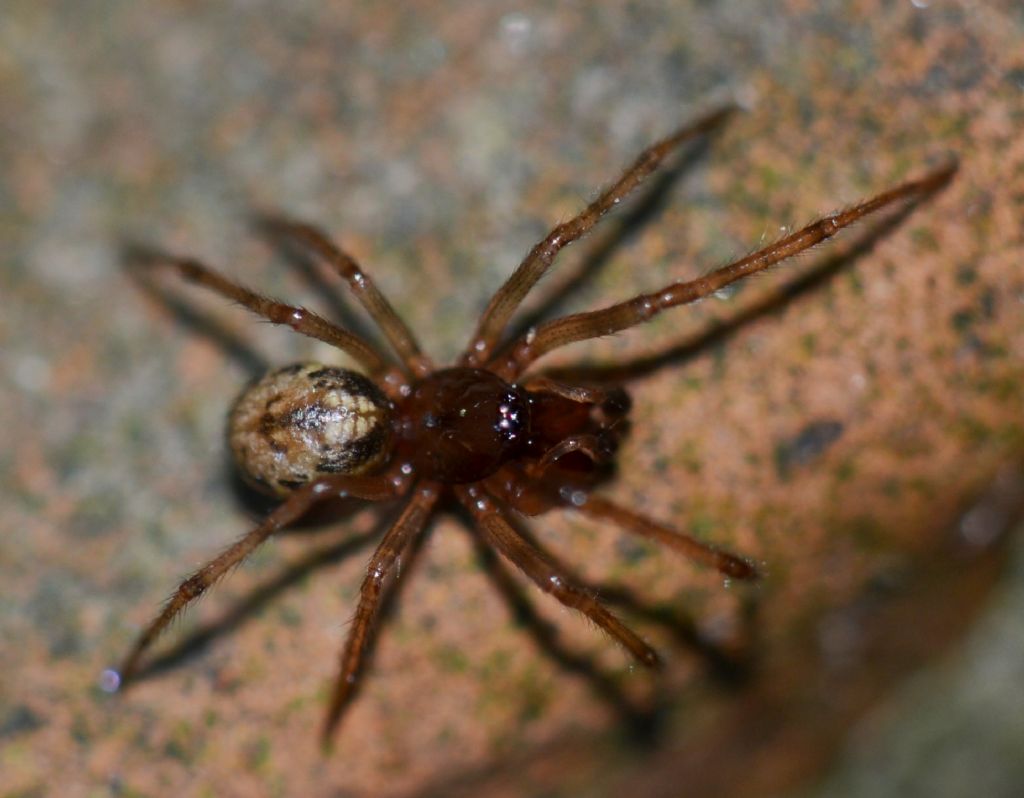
111, 681
738, 568
138, 255
649, 658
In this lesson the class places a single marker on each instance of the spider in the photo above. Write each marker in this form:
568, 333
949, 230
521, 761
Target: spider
483, 432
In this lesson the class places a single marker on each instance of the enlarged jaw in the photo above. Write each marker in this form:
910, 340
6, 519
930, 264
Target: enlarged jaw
305, 421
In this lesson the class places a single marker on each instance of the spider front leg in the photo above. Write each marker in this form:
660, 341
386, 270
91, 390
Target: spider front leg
386, 559
504, 303
541, 487
377, 488
615, 318
500, 534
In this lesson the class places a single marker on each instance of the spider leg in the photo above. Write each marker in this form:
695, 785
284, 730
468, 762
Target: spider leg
364, 289
299, 319
610, 405
575, 393
504, 303
500, 534
593, 324
691, 548
590, 445
614, 399
293, 508
386, 559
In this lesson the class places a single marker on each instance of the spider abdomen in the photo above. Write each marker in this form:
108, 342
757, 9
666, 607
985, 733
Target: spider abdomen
305, 421
461, 424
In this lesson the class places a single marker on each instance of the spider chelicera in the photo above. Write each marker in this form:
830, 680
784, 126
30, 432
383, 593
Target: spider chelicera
483, 432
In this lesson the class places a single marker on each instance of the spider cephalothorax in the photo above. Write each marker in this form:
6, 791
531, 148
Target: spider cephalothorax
460, 424
484, 432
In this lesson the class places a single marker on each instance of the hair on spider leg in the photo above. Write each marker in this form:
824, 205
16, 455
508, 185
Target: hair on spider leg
485, 433
256, 599
313, 260
140, 261
653, 200
783, 292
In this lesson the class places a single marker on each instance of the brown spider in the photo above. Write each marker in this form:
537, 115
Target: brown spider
478, 431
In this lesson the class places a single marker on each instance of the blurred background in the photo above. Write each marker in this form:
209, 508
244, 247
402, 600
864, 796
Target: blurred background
852, 421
